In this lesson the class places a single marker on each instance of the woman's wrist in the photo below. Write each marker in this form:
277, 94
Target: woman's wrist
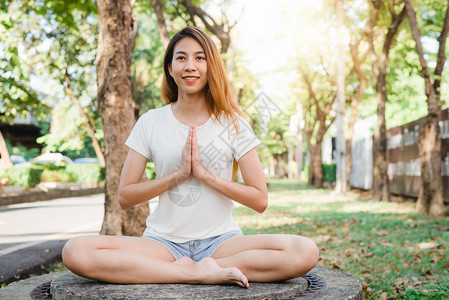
179, 176
208, 177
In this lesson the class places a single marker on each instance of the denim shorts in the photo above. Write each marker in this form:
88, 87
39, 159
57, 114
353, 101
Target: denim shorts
196, 249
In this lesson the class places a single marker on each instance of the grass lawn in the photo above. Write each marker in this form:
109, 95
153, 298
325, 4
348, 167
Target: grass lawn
392, 251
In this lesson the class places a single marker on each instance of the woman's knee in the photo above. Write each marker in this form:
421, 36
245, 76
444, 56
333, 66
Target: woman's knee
75, 253
305, 254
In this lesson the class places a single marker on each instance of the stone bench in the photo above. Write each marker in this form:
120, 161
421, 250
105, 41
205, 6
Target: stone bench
319, 283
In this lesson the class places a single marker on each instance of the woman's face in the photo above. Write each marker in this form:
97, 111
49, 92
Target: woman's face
188, 66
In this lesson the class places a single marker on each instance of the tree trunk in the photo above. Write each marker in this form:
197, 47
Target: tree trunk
316, 170
299, 140
163, 32
430, 199
90, 130
291, 168
356, 100
116, 41
381, 189
340, 186
5, 159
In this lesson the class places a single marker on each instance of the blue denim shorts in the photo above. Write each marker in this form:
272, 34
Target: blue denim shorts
196, 249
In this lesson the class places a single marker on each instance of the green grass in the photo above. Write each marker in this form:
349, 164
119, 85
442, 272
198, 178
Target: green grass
378, 243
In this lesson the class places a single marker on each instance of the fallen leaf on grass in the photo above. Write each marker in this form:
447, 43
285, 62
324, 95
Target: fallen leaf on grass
427, 245
47, 250
386, 244
368, 254
366, 289
327, 238
350, 251
434, 259
384, 296
336, 266
381, 232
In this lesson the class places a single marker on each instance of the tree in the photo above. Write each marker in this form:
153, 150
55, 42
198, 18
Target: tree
221, 29
118, 31
379, 66
430, 199
18, 98
340, 118
61, 51
159, 10
357, 35
317, 120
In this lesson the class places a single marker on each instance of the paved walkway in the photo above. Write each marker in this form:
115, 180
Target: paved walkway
32, 234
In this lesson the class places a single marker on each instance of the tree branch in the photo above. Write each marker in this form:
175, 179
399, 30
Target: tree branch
441, 58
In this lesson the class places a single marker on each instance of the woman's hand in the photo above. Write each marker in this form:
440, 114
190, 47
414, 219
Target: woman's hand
198, 170
185, 169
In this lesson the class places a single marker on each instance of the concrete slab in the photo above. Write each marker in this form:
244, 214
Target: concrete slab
337, 286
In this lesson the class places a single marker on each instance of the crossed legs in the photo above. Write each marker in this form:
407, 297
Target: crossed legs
241, 259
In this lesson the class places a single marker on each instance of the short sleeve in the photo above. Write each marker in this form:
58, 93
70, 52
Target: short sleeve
139, 138
245, 139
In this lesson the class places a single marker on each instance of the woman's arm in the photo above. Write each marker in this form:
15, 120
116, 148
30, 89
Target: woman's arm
132, 191
253, 193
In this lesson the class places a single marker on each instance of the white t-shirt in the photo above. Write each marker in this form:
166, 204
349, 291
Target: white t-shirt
191, 210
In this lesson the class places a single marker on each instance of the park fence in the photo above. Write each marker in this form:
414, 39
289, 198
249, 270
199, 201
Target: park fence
404, 166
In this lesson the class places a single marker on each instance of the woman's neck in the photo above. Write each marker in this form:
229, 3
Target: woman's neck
191, 105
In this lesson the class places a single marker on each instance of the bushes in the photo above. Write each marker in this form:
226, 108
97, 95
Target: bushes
89, 174
26, 177
329, 172
32, 175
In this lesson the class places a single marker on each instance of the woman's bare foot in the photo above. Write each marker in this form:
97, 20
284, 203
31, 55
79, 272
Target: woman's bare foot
212, 273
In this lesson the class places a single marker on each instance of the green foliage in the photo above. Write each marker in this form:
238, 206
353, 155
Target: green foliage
88, 174
57, 42
56, 175
17, 97
329, 172
150, 171
26, 177
67, 134
21, 150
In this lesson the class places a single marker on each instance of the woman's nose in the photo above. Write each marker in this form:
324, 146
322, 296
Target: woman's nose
189, 65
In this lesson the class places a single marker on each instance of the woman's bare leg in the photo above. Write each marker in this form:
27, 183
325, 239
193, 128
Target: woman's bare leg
119, 259
265, 258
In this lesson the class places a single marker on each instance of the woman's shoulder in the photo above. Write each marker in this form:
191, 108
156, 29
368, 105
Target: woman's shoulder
154, 112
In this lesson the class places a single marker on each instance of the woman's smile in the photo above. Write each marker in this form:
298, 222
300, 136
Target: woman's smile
190, 79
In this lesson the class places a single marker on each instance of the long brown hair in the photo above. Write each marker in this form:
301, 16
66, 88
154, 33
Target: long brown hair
219, 97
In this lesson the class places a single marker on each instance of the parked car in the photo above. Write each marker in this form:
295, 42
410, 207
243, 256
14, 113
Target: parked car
17, 160
86, 160
56, 159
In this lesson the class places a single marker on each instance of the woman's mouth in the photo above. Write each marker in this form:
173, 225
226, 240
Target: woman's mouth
191, 79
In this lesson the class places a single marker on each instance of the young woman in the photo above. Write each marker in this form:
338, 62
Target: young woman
195, 140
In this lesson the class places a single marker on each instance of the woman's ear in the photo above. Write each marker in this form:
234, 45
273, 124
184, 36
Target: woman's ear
170, 70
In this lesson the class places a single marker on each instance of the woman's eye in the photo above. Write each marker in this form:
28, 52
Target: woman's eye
201, 58
180, 58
